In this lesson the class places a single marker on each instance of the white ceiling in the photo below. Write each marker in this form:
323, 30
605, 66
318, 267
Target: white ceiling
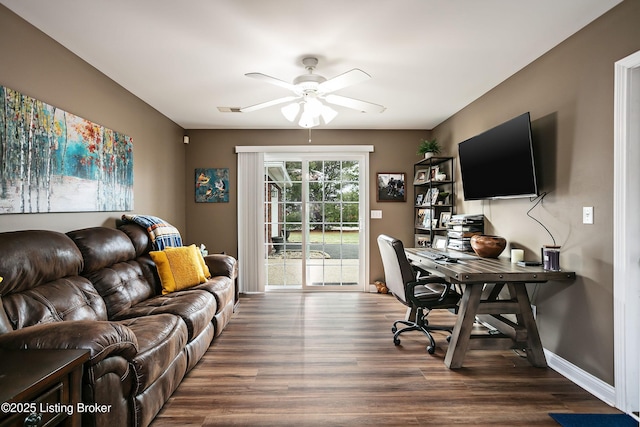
427, 58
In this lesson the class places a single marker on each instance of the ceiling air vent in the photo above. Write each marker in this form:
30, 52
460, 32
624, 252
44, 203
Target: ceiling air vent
229, 109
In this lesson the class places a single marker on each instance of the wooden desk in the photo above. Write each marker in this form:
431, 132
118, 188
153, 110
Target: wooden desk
482, 279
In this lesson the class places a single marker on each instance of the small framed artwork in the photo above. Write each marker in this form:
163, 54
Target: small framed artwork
439, 242
422, 241
419, 199
445, 217
421, 176
212, 185
434, 195
423, 218
391, 187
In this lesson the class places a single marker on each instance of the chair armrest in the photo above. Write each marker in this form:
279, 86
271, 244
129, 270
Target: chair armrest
101, 338
222, 265
410, 287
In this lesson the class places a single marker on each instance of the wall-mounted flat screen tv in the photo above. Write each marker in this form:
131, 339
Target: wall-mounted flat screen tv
499, 163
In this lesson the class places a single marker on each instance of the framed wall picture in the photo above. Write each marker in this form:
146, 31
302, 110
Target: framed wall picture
390, 187
212, 185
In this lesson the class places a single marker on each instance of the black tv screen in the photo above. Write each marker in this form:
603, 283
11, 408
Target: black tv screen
499, 163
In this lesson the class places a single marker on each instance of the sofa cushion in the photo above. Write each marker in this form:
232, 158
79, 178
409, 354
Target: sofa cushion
70, 298
33, 257
111, 265
179, 268
196, 308
160, 338
138, 236
221, 288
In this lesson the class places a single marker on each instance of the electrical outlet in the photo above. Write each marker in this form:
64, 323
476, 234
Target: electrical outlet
587, 215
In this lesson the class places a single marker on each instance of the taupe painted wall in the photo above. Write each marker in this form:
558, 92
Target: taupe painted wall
37, 66
215, 224
569, 92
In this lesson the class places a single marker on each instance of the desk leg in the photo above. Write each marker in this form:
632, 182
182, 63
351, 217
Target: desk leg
464, 325
535, 352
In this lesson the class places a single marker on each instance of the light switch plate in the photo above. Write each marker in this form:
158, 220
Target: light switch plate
587, 215
376, 214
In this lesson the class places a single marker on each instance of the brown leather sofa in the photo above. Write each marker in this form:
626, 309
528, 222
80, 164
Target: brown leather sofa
98, 289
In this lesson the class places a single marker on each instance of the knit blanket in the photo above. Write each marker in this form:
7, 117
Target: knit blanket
162, 233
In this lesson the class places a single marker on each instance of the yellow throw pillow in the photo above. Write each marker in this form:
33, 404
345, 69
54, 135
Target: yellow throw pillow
179, 268
203, 264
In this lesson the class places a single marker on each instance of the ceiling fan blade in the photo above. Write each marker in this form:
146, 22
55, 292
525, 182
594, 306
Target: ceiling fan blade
271, 80
268, 104
356, 104
349, 78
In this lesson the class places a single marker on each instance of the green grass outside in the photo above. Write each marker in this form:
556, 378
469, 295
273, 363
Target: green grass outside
330, 237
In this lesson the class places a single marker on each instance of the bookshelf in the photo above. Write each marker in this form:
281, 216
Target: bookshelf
434, 200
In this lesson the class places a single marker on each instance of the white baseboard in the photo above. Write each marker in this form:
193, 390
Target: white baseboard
593, 385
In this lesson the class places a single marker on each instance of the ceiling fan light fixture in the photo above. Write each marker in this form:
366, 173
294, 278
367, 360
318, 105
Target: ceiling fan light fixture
328, 114
309, 120
290, 112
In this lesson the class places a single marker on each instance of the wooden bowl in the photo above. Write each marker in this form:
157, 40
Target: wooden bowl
486, 246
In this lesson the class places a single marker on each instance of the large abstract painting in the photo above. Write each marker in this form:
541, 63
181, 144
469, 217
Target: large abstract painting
54, 161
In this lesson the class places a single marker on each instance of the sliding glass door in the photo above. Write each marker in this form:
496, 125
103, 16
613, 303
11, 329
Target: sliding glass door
314, 223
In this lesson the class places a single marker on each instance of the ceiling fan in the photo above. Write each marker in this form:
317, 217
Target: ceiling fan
309, 90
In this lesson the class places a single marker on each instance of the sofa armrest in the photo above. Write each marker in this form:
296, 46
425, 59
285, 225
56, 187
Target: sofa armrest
222, 265
101, 338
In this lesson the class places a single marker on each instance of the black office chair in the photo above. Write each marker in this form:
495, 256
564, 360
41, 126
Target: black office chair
419, 294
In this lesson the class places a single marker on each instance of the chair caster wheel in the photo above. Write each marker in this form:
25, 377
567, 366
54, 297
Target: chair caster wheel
449, 338
396, 341
431, 349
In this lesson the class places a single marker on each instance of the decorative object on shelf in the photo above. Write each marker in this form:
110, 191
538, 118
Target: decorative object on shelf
487, 246
55, 161
439, 242
429, 148
421, 176
444, 218
212, 185
391, 187
442, 197
422, 241
441, 177
423, 218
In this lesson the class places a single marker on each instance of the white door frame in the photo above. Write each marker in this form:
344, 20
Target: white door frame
626, 229
253, 276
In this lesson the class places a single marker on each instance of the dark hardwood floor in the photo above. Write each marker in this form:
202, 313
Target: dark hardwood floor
327, 359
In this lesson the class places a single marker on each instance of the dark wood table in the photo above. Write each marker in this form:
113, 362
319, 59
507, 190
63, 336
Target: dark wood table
482, 280
44, 385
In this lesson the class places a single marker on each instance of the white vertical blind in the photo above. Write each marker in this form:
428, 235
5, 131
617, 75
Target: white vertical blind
251, 222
